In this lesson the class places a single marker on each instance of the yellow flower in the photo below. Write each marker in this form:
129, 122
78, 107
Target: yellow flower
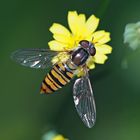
52, 135
59, 137
81, 29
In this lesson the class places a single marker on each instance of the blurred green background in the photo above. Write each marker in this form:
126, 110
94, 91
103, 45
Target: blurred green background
26, 115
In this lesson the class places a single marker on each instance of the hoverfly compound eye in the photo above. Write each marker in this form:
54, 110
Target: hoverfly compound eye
84, 43
92, 51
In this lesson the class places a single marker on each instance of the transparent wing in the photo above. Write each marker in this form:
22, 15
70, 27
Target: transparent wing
84, 100
34, 58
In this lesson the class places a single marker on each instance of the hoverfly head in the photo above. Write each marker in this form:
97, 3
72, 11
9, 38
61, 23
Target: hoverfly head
89, 46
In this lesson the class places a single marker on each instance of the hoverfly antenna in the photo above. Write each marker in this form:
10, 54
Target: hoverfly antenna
92, 39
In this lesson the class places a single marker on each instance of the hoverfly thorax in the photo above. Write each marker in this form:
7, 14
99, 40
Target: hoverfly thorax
80, 55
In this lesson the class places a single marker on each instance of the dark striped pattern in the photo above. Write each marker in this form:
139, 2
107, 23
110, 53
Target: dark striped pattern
56, 78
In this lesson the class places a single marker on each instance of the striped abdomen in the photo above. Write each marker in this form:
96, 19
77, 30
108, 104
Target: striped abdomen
59, 76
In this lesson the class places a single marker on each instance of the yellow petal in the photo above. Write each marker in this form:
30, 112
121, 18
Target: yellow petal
72, 21
104, 49
90, 63
98, 35
64, 39
100, 58
56, 46
104, 39
82, 18
59, 137
92, 23
77, 25
59, 29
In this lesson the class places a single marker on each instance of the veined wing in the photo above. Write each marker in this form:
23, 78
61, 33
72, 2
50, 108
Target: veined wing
34, 58
84, 100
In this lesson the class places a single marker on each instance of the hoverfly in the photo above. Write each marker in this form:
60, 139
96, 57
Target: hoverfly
62, 72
